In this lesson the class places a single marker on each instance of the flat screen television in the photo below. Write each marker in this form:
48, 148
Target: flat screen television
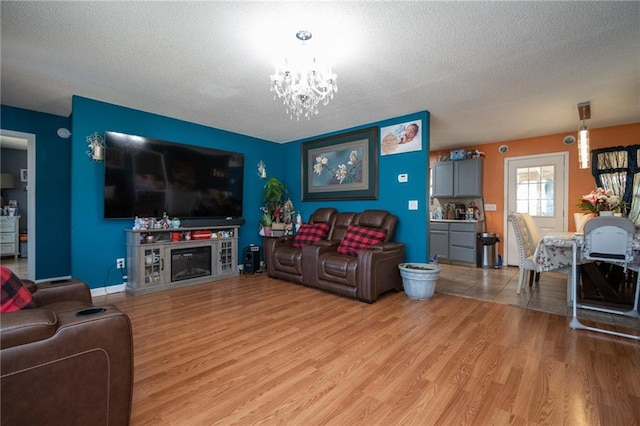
146, 177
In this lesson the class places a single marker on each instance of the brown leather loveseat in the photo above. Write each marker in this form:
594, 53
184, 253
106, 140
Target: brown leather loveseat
66, 361
363, 274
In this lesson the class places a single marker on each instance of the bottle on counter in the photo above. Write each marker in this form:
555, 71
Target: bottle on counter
438, 214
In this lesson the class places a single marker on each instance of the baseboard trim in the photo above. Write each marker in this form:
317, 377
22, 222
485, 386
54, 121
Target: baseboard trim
103, 291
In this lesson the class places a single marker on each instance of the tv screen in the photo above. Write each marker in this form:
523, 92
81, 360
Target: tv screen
146, 177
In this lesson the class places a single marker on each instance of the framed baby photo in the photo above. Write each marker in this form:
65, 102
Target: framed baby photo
401, 138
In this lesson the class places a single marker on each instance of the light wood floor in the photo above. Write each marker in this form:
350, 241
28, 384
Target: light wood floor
253, 350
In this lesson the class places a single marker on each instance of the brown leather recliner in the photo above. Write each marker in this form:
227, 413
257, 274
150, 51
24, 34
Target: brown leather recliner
285, 261
312, 252
369, 274
65, 362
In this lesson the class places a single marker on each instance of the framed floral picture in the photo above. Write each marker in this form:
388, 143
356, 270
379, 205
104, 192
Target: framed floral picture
341, 167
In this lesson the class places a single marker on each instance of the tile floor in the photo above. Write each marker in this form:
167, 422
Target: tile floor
499, 286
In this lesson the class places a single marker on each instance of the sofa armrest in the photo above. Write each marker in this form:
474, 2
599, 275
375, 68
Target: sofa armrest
327, 243
86, 367
311, 259
269, 246
48, 293
384, 247
26, 326
378, 270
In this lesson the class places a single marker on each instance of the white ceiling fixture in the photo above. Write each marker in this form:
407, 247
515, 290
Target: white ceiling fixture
64, 133
302, 83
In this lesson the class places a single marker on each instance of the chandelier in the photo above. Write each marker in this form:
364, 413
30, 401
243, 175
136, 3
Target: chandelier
302, 84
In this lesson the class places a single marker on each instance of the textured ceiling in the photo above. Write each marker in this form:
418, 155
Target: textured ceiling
486, 71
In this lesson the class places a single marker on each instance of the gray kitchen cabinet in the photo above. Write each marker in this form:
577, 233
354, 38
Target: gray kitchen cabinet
454, 241
442, 185
462, 241
462, 178
439, 240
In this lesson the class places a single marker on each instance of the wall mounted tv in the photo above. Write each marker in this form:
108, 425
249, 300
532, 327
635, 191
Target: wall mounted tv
145, 177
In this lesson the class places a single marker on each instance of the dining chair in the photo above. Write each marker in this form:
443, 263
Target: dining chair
534, 236
580, 219
609, 239
526, 249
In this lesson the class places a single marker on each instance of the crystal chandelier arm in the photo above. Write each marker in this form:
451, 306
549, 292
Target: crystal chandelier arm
302, 87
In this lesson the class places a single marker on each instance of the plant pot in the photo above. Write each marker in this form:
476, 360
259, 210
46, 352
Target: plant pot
266, 231
419, 279
605, 213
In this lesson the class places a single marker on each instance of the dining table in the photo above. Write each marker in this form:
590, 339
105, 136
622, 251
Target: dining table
563, 252
554, 253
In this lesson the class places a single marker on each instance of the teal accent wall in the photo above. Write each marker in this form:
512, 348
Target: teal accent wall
392, 195
53, 179
97, 242
74, 239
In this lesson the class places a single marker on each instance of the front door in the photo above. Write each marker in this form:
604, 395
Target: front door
536, 185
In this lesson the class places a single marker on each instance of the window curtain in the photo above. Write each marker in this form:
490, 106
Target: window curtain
616, 169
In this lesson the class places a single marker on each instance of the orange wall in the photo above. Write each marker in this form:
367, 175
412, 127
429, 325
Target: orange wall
580, 181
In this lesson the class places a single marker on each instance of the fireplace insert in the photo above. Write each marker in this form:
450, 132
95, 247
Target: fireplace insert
190, 262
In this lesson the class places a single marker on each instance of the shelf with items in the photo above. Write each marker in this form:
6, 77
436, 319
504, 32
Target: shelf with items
178, 235
177, 257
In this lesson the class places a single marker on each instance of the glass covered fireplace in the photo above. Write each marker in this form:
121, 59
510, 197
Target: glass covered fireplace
191, 262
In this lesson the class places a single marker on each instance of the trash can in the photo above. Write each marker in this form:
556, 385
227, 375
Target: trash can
487, 250
23, 245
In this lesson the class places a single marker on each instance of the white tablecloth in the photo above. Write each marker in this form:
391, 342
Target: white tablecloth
555, 251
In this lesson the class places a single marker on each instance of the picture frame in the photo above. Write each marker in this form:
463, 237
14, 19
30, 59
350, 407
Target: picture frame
24, 177
341, 167
401, 138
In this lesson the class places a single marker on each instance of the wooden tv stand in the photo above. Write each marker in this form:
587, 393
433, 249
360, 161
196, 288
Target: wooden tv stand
164, 264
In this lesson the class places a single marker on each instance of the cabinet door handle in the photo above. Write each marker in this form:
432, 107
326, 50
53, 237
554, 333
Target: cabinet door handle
162, 264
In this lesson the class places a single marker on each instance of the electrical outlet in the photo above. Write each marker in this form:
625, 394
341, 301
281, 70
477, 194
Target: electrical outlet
120, 263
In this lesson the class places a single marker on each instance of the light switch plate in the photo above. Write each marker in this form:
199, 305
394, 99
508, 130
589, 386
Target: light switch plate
490, 207
413, 204
403, 177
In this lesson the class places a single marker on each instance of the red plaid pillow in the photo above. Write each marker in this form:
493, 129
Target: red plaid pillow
15, 295
310, 233
358, 237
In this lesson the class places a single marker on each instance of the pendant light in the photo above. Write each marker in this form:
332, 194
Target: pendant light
584, 111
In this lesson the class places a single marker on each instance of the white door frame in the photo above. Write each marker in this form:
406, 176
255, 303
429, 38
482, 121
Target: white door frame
31, 197
563, 206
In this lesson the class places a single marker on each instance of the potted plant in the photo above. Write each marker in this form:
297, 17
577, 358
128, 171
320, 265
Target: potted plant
600, 202
419, 279
266, 222
273, 196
